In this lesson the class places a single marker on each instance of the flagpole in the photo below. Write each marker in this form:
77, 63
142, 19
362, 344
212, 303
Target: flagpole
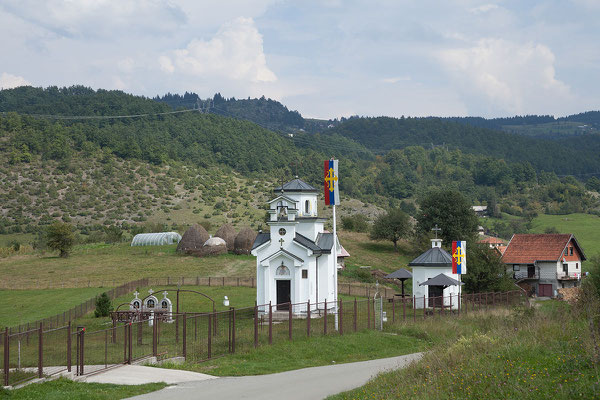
335, 277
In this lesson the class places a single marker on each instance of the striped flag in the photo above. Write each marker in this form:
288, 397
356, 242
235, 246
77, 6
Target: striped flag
332, 193
459, 257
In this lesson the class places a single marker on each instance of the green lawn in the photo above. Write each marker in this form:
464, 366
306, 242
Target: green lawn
23, 306
65, 389
585, 227
522, 354
312, 352
111, 265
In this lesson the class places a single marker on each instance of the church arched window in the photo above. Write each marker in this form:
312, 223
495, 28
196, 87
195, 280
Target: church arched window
307, 207
282, 270
150, 303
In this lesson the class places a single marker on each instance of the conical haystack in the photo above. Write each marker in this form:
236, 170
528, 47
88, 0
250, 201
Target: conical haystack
193, 239
227, 233
214, 246
244, 241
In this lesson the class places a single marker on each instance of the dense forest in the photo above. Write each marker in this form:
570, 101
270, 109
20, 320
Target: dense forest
385, 161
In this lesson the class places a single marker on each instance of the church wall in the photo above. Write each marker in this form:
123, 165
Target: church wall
421, 274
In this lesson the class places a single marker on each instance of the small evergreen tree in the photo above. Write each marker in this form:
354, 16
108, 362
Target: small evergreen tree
103, 306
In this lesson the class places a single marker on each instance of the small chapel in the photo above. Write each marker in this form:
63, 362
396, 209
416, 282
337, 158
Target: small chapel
295, 260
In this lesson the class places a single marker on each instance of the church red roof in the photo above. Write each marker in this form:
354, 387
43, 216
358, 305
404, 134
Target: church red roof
529, 248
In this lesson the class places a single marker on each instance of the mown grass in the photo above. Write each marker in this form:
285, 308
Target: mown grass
585, 227
65, 389
111, 265
23, 306
524, 354
308, 352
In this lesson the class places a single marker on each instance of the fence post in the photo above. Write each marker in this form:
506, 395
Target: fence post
393, 309
325, 319
69, 347
184, 336
255, 325
129, 339
403, 309
308, 318
209, 347
82, 346
368, 313
415, 308
374, 317
114, 332
6, 356
233, 331
223, 281
354, 318
209, 281
125, 343
341, 317
155, 337
139, 332
290, 319
425, 307
450, 303
41, 352
270, 323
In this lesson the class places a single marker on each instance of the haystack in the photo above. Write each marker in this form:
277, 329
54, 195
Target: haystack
214, 246
244, 241
227, 233
193, 239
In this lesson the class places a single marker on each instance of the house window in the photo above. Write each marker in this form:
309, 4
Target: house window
516, 267
571, 250
576, 265
307, 207
565, 268
304, 274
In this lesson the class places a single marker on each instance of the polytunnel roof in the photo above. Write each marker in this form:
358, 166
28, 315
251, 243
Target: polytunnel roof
156, 239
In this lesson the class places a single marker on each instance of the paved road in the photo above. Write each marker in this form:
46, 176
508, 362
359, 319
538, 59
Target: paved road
302, 384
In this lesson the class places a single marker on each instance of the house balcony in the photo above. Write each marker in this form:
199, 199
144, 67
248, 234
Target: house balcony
526, 275
570, 276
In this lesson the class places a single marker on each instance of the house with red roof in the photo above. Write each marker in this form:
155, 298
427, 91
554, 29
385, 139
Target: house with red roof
544, 263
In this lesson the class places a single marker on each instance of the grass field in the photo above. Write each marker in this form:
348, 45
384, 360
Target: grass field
111, 265
65, 389
585, 227
524, 354
302, 353
23, 306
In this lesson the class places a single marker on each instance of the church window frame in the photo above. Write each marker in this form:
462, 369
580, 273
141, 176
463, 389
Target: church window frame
282, 270
307, 207
282, 231
150, 303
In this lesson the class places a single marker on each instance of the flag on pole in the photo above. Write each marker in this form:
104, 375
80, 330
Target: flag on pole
332, 193
459, 257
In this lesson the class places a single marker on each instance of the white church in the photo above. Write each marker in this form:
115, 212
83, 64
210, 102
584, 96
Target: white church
294, 260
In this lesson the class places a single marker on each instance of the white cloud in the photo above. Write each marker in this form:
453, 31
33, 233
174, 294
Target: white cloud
483, 8
235, 52
514, 77
395, 79
9, 81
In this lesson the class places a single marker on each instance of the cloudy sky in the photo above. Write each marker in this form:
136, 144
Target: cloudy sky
325, 58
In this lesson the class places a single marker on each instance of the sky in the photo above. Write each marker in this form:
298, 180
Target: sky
324, 58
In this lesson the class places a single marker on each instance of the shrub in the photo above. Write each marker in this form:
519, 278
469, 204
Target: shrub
356, 223
103, 306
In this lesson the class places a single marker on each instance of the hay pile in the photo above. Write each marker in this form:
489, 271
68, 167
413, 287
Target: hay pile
244, 241
214, 246
193, 240
569, 295
227, 233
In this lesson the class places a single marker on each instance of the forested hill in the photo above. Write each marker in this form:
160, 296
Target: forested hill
574, 156
75, 100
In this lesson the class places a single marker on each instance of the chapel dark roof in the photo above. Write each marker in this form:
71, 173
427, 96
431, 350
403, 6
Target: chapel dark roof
441, 280
261, 239
322, 245
434, 257
400, 274
306, 242
296, 185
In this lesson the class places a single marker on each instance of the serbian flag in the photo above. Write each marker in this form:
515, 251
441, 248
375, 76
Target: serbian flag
332, 193
459, 257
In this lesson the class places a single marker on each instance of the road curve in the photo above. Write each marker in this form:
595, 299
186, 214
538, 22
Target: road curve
302, 384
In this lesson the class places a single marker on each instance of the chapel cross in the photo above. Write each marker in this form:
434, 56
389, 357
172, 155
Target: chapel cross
281, 242
136, 294
331, 179
436, 230
150, 291
165, 294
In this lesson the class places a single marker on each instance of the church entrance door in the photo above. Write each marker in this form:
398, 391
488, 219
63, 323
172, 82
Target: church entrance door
283, 294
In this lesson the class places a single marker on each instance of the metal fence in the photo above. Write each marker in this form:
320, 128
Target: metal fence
42, 352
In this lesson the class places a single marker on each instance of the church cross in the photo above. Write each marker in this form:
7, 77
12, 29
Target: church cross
281, 242
165, 293
136, 294
436, 230
150, 291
